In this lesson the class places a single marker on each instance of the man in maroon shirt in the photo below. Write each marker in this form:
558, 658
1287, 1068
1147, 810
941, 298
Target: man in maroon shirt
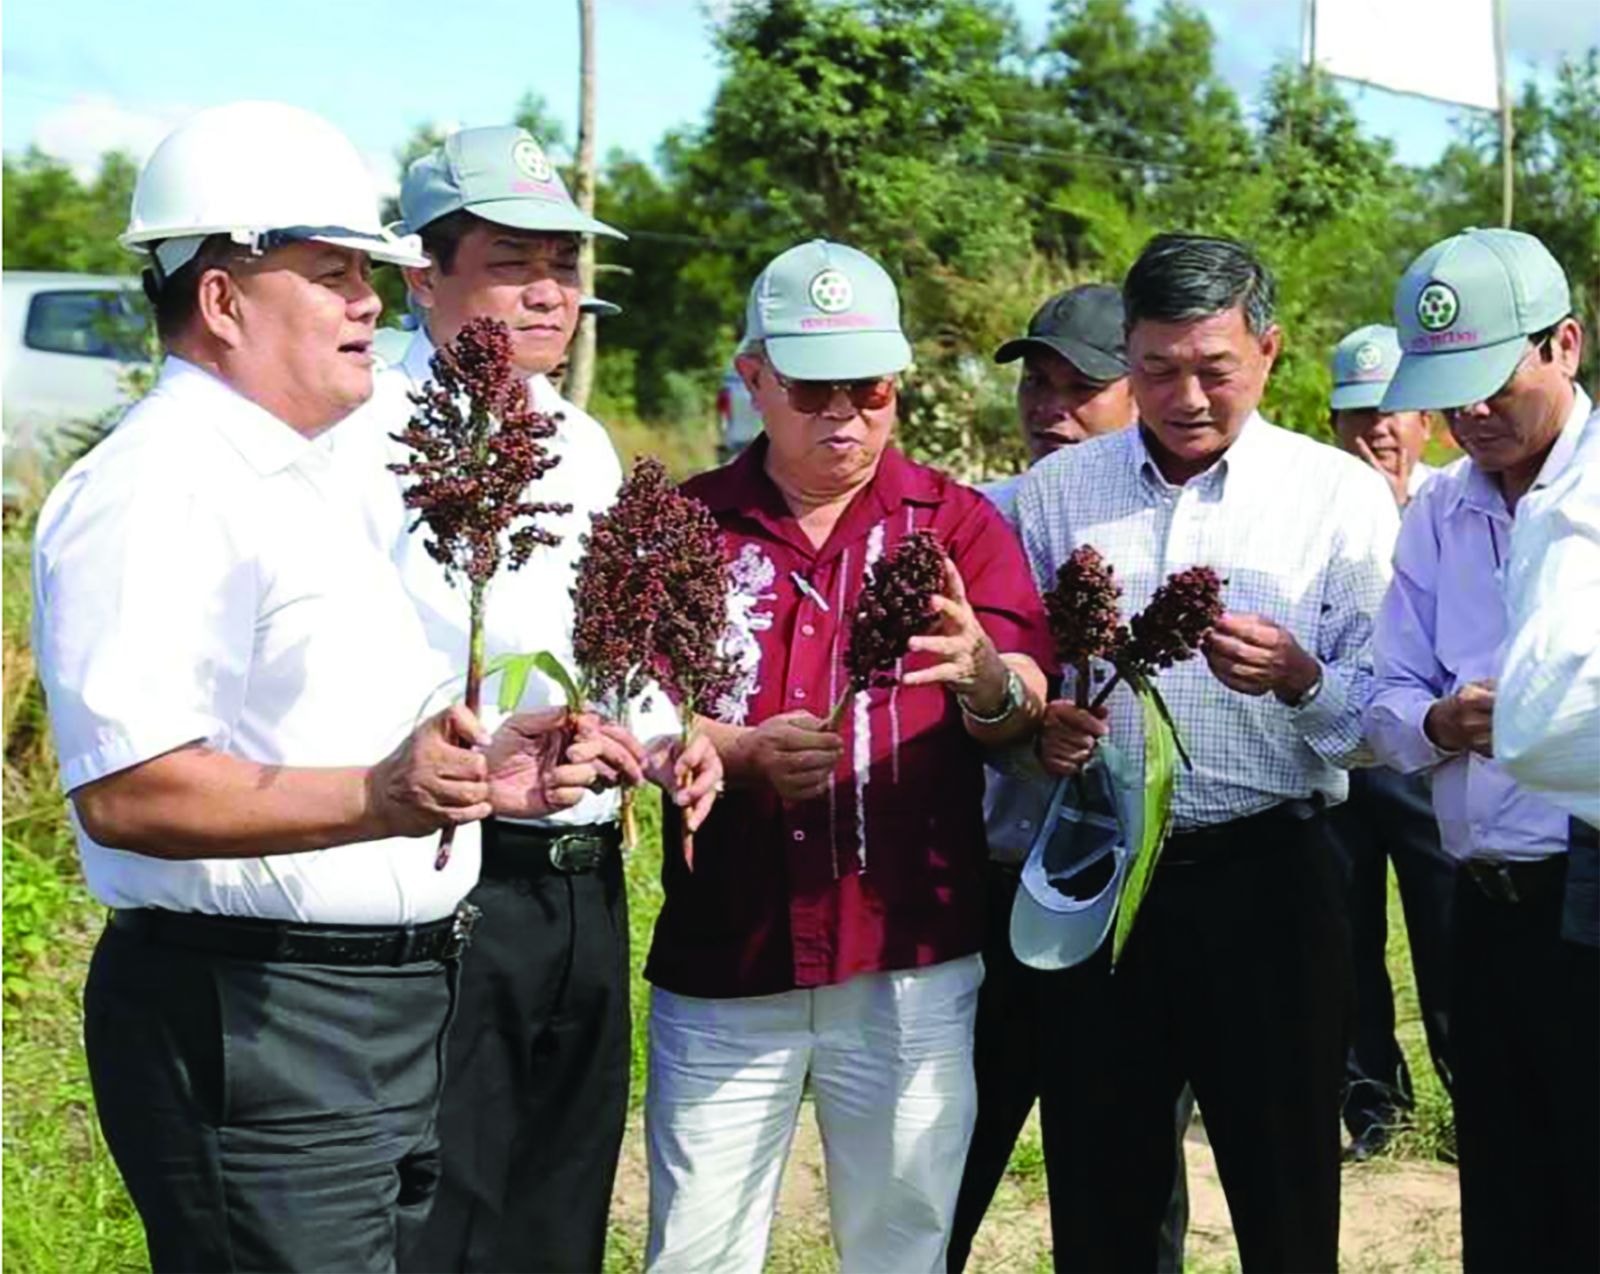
830, 928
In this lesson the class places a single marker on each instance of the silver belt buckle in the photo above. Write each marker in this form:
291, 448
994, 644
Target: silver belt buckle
576, 852
461, 926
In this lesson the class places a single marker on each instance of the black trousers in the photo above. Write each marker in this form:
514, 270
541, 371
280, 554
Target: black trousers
267, 1116
1526, 1020
1389, 819
536, 1092
1235, 980
1027, 1047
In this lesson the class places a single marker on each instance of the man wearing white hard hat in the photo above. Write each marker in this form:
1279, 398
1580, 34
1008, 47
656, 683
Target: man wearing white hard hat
233, 668
1486, 326
536, 1096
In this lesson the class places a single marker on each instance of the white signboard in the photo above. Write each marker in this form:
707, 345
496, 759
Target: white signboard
1436, 48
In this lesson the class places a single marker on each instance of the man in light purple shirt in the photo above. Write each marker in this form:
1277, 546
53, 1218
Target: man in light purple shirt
1486, 326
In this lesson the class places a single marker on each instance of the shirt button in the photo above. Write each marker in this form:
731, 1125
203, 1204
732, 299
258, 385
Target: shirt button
798, 834
807, 630
799, 692
1024, 824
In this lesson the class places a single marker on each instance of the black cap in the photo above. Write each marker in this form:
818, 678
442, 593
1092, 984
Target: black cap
1083, 325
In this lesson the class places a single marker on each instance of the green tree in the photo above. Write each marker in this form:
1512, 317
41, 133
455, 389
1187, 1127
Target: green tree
54, 221
1145, 103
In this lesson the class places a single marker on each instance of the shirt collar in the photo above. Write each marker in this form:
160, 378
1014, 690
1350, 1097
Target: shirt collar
267, 444
1242, 456
742, 487
417, 364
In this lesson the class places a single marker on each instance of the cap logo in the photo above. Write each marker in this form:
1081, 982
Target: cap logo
1437, 307
1368, 357
531, 161
831, 292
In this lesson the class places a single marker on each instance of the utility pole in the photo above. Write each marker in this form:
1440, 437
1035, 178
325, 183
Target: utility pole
1507, 127
580, 373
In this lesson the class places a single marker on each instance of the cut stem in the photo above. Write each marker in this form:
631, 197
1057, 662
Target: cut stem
835, 715
1105, 690
475, 644
688, 835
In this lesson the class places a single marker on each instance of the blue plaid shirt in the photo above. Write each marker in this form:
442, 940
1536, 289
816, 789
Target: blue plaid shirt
1303, 535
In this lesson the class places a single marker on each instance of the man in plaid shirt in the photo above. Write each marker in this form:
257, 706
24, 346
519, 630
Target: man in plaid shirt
1237, 976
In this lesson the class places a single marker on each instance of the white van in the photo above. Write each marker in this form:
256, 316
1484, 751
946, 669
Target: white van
70, 340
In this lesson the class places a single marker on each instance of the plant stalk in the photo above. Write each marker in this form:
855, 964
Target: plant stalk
475, 644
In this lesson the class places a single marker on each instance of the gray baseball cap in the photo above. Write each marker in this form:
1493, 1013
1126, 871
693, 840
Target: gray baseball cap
827, 312
1084, 325
1465, 309
1363, 366
1072, 879
500, 174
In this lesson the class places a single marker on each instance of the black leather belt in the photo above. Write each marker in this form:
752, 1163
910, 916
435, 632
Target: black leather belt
1239, 838
520, 851
1516, 881
277, 940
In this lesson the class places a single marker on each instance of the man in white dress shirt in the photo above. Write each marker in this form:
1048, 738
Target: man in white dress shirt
536, 1097
226, 656
1236, 976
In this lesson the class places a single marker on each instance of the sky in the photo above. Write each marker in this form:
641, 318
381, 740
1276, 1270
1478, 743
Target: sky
84, 76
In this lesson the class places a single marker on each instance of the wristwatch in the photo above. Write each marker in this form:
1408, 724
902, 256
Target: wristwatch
1009, 702
1310, 696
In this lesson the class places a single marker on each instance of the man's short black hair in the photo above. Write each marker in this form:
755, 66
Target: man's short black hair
1179, 277
174, 298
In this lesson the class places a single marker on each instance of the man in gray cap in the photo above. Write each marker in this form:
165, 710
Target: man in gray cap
1388, 817
536, 1094
828, 937
1486, 324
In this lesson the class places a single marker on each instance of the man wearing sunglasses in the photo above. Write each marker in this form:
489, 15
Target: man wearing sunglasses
1486, 327
828, 934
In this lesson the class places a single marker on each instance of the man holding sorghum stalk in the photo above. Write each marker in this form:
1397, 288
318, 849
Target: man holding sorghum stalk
1235, 977
532, 1116
1486, 323
829, 931
226, 653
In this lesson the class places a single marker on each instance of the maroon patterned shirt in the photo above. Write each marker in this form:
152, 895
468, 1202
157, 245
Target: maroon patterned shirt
885, 870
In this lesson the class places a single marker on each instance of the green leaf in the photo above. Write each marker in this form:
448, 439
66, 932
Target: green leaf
1160, 775
553, 668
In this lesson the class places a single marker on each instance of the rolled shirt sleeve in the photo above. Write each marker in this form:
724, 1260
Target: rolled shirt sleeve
143, 621
1408, 676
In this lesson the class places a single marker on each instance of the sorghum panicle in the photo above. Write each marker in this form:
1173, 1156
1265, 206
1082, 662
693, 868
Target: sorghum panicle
651, 598
895, 604
471, 471
1085, 619
1169, 629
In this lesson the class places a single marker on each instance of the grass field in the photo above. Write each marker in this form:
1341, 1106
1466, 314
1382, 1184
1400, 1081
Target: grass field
65, 1210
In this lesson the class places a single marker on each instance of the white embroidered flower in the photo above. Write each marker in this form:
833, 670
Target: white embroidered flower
752, 575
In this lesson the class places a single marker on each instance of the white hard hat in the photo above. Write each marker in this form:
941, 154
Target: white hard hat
261, 172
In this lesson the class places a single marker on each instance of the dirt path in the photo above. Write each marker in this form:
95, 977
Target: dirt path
1397, 1216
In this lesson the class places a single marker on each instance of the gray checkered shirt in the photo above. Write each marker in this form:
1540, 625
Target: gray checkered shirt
1303, 535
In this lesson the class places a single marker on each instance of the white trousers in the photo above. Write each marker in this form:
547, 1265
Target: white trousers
889, 1056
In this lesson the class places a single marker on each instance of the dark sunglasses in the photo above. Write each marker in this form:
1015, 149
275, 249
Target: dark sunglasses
813, 396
